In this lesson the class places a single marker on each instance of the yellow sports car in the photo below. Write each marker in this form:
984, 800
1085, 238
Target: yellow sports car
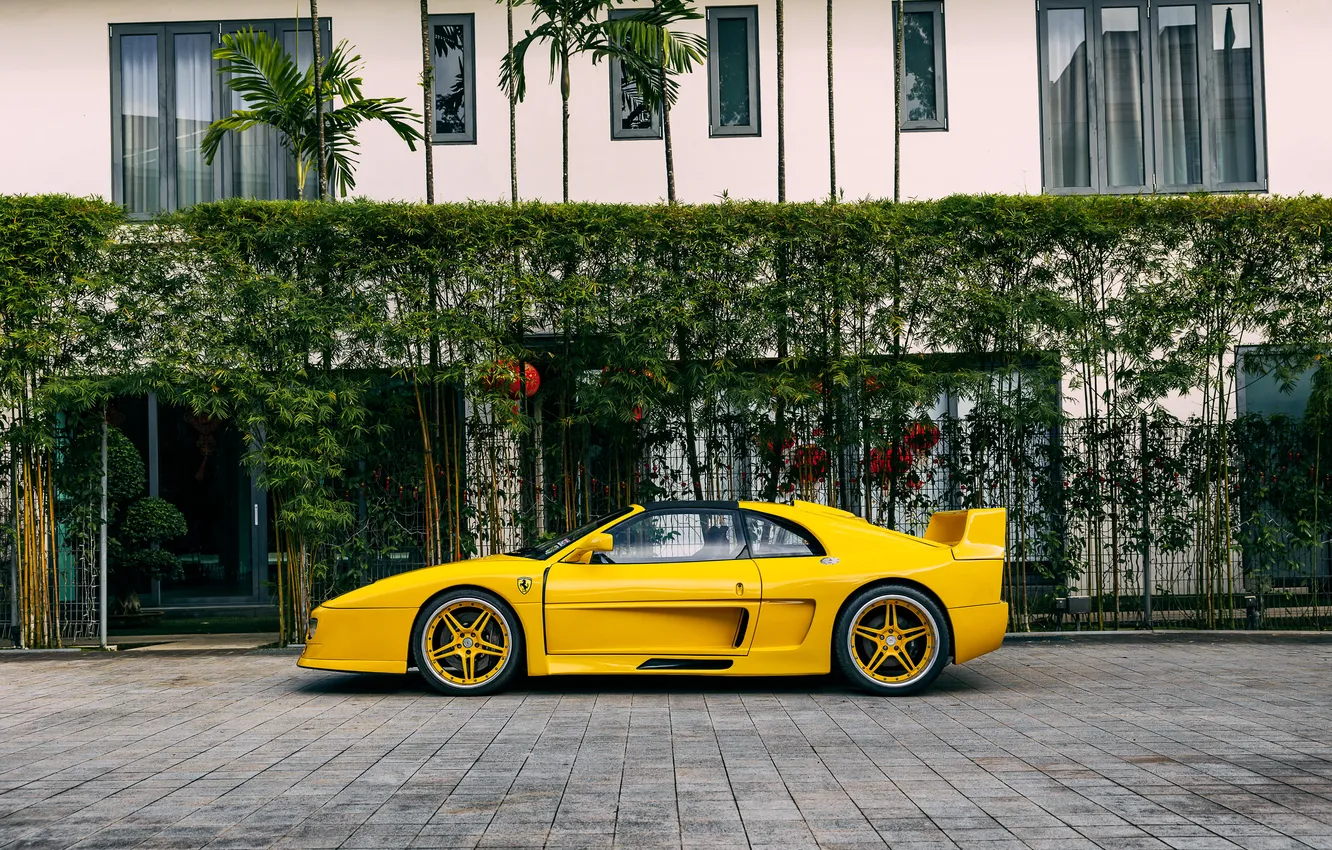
730, 588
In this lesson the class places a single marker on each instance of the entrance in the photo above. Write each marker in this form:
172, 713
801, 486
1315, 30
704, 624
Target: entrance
195, 463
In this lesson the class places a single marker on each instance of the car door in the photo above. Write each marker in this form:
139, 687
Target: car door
679, 581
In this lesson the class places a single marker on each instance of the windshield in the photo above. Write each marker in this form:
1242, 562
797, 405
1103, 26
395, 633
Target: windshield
542, 551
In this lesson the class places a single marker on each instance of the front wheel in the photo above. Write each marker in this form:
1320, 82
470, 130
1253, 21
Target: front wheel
467, 643
892, 640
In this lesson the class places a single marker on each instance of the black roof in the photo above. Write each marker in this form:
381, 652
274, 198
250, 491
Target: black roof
731, 505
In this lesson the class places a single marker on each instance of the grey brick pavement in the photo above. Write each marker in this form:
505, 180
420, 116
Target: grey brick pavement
1114, 744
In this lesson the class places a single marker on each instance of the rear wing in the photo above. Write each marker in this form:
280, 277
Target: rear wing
977, 534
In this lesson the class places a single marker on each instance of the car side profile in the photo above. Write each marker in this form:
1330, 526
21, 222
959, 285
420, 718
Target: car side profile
704, 588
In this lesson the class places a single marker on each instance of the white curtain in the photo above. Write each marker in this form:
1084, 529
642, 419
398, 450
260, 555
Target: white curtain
140, 130
1122, 51
1066, 94
1177, 88
1233, 52
194, 111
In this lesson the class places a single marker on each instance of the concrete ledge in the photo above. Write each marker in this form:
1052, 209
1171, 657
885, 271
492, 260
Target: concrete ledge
1172, 636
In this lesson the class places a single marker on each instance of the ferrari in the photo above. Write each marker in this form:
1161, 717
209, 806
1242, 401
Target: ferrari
701, 588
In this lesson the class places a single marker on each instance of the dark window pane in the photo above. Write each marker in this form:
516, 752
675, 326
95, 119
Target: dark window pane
1236, 157
450, 79
1066, 95
1122, 55
633, 114
1177, 91
919, 99
140, 130
772, 537
194, 112
733, 71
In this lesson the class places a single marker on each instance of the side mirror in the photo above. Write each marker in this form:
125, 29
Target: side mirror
595, 543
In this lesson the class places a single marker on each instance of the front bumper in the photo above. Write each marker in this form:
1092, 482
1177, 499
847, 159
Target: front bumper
359, 640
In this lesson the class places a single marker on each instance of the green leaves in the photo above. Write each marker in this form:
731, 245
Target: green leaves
277, 94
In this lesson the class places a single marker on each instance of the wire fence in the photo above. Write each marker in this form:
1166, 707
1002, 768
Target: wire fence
1223, 525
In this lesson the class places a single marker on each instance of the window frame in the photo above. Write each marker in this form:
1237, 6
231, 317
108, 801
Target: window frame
755, 125
468, 22
617, 133
940, 123
1149, 58
818, 550
165, 33
737, 521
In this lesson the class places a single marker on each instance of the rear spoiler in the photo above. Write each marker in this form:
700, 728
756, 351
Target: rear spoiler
977, 534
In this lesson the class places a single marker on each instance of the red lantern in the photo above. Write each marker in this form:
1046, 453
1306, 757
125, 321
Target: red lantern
495, 379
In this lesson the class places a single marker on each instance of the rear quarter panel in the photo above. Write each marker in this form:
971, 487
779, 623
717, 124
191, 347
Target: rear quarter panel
865, 554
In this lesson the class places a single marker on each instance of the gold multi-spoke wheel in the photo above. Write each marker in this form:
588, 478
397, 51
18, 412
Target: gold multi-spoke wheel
892, 639
466, 643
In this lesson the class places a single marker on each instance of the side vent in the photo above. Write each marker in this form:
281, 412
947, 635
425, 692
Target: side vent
742, 628
686, 664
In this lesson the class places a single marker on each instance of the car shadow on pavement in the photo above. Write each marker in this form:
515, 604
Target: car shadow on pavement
412, 684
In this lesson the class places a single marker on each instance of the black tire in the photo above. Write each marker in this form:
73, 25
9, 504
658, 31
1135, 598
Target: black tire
894, 658
435, 631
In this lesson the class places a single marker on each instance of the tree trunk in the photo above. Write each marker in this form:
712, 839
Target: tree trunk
513, 112
897, 104
670, 156
781, 101
832, 130
322, 167
427, 101
666, 123
564, 119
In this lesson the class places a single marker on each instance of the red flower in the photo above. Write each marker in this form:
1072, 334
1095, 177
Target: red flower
810, 462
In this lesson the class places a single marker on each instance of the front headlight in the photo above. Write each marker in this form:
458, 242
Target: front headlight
310, 632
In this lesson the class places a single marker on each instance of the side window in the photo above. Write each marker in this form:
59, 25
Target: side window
165, 92
774, 537
924, 93
630, 116
733, 70
453, 58
677, 535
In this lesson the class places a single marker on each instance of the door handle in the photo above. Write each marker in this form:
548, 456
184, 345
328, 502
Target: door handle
739, 588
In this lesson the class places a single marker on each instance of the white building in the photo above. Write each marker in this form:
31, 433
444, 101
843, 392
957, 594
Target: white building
109, 97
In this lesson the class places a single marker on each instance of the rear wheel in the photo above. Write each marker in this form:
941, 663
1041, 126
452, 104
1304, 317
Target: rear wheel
892, 640
467, 642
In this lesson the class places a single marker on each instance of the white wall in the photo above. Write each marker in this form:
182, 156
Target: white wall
54, 58
1297, 37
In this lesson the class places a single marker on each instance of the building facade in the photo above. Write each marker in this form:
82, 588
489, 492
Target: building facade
1005, 96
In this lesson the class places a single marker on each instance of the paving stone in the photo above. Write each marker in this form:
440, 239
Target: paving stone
1078, 744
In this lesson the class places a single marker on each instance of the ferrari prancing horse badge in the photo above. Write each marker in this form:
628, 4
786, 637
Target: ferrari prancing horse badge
524, 585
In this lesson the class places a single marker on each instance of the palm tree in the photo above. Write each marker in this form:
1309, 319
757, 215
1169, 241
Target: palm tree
570, 27
279, 95
653, 56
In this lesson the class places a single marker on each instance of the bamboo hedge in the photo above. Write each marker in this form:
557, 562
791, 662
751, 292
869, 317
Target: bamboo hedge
810, 342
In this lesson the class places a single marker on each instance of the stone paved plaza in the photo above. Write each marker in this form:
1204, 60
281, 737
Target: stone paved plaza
1185, 742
